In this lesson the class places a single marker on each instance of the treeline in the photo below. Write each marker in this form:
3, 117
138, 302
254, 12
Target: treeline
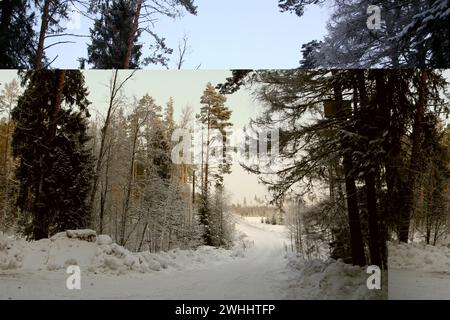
114, 174
114, 37
380, 33
374, 139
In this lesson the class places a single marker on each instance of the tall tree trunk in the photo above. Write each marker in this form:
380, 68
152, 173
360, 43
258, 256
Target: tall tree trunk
358, 256
207, 153
41, 221
374, 234
60, 77
405, 215
126, 206
369, 179
44, 26
356, 240
104, 133
129, 185
132, 35
206, 213
144, 231
104, 192
392, 144
6, 174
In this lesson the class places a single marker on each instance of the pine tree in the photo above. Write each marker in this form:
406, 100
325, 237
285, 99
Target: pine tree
143, 12
142, 20
53, 12
17, 37
214, 115
49, 142
110, 34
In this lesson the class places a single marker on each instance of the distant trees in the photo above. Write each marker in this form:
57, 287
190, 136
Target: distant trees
50, 144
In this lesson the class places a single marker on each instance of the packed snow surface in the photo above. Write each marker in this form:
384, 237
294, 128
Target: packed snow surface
419, 271
257, 267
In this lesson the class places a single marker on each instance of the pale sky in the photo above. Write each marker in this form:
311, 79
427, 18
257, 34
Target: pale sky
231, 34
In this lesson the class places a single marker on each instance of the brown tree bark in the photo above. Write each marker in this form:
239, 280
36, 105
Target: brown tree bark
356, 240
44, 26
132, 35
369, 179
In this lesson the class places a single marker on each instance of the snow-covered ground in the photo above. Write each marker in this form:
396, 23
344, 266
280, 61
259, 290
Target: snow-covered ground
419, 271
258, 267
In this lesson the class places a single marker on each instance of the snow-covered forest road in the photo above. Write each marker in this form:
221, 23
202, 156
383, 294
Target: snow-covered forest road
258, 274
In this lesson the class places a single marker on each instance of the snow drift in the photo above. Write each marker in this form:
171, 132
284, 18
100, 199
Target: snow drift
257, 267
418, 256
330, 279
419, 271
98, 254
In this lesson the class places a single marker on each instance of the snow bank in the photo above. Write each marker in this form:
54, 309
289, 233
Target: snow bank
329, 280
419, 257
9, 258
446, 242
98, 254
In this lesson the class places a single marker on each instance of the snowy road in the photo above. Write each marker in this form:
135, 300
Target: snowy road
415, 284
258, 275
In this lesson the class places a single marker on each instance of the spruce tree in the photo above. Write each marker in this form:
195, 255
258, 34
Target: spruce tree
49, 142
17, 37
109, 36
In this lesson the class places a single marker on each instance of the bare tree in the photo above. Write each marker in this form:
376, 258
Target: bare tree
183, 50
115, 88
